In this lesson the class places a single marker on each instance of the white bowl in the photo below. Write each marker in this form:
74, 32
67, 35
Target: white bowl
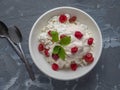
39, 59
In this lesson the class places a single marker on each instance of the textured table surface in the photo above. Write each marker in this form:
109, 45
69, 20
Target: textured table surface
23, 13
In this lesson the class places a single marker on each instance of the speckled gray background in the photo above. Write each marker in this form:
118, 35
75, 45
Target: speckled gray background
23, 13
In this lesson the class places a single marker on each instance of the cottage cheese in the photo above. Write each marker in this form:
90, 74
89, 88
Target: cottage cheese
67, 29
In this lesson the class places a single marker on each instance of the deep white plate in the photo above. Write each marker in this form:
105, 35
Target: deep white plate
39, 59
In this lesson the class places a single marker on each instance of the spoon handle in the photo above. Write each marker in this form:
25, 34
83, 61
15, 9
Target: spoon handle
28, 66
15, 47
22, 57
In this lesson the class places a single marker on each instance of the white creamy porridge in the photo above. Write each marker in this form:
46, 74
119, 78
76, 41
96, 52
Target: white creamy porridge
66, 43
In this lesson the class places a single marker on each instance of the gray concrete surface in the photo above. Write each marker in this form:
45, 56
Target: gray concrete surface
23, 13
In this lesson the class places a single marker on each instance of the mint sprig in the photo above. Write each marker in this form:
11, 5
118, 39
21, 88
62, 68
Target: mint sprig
54, 35
56, 49
65, 40
60, 51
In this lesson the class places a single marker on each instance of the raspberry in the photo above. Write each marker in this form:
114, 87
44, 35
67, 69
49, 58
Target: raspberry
78, 35
41, 47
74, 49
72, 19
90, 41
46, 53
62, 36
62, 18
49, 33
73, 66
89, 58
55, 56
55, 66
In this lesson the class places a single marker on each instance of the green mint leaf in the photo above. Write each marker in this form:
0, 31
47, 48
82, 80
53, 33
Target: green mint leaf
56, 49
65, 40
62, 53
55, 37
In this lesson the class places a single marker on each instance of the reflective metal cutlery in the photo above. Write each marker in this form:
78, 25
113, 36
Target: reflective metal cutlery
13, 35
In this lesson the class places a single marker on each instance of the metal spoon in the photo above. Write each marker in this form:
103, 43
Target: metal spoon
16, 37
4, 34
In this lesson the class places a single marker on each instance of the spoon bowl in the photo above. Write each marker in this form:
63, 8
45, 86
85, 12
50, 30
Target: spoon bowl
15, 34
16, 37
3, 30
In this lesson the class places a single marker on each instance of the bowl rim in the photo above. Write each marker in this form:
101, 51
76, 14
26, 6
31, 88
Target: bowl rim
65, 7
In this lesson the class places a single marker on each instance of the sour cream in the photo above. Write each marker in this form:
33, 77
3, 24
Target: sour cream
67, 29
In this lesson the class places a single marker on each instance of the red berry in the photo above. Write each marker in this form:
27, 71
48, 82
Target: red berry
72, 19
62, 18
49, 33
90, 41
46, 53
55, 66
74, 49
89, 58
41, 47
55, 56
62, 36
78, 35
73, 66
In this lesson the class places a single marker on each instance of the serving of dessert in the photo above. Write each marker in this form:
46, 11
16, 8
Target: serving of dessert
66, 43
